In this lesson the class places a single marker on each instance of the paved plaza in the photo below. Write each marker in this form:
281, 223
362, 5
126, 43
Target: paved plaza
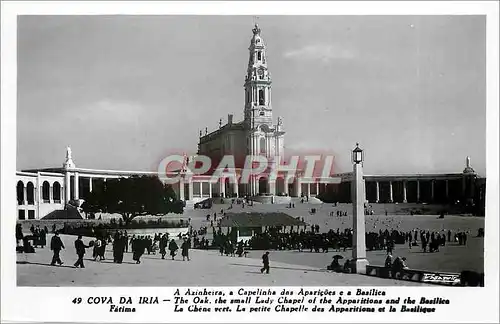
205, 268
288, 267
450, 258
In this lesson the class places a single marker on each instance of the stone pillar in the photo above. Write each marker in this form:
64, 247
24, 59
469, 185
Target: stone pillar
77, 185
190, 188
391, 197
236, 186
90, 184
182, 195
404, 192
272, 185
67, 187
317, 189
308, 193
447, 190
210, 189
201, 189
359, 244
51, 194
418, 191
432, 190
285, 183
222, 184
378, 192
298, 183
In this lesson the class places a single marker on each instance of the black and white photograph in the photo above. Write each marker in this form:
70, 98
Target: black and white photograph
252, 150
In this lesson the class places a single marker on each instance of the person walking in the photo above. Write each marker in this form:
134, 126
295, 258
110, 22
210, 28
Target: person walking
185, 249
80, 251
163, 246
56, 245
265, 262
173, 247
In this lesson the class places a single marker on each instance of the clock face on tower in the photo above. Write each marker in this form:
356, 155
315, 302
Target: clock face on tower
261, 72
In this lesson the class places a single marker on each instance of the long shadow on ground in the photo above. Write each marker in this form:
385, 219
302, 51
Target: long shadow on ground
284, 268
45, 264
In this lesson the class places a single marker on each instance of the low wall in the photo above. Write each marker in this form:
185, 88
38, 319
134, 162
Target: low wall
26, 224
272, 199
152, 231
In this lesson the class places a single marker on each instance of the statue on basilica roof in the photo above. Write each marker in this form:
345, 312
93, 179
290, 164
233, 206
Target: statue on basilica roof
68, 164
256, 30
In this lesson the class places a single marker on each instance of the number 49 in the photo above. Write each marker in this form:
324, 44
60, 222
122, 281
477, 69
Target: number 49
77, 300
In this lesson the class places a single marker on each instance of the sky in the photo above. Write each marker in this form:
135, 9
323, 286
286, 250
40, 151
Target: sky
125, 91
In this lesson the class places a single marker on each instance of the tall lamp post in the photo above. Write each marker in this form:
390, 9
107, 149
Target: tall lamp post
358, 199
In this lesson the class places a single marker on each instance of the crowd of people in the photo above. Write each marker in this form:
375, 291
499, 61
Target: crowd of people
303, 239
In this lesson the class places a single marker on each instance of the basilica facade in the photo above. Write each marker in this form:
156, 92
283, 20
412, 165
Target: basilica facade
257, 133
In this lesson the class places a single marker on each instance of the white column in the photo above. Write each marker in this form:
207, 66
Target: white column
285, 189
272, 186
308, 189
378, 192
298, 183
359, 245
210, 189
201, 189
317, 188
418, 191
51, 194
190, 187
181, 189
90, 184
67, 187
235, 187
222, 184
77, 193
391, 199
404, 192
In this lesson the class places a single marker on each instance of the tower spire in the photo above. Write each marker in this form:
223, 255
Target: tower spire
258, 109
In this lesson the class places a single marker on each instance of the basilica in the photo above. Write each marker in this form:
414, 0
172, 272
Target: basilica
42, 192
257, 134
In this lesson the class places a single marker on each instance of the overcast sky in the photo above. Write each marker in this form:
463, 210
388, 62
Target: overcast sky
124, 91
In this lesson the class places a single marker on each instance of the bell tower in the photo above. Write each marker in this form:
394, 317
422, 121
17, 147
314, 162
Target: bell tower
258, 109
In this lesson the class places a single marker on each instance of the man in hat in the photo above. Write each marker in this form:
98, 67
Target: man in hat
80, 251
56, 245
265, 262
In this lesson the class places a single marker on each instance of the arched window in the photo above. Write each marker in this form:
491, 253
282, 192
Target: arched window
262, 145
30, 193
45, 192
259, 55
262, 98
56, 192
20, 192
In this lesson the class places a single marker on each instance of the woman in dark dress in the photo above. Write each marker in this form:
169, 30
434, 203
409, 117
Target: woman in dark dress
172, 246
185, 250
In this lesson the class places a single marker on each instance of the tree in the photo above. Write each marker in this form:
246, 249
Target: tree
132, 197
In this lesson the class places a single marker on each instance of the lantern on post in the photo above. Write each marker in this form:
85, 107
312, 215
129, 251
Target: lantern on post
357, 155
